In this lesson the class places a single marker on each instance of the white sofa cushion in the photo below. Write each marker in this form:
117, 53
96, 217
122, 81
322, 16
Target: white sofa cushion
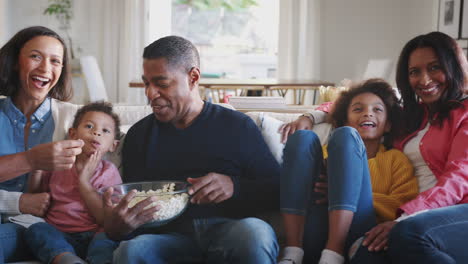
269, 123
269, 127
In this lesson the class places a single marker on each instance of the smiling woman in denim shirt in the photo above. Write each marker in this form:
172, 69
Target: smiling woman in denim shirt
34, 78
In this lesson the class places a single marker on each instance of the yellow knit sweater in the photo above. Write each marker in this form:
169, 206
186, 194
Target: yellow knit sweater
392, 179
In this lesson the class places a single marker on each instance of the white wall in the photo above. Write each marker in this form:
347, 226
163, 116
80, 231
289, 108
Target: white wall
25, 13
299, 39
355, 31
3, 22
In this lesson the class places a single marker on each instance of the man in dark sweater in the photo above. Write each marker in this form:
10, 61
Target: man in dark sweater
220, 152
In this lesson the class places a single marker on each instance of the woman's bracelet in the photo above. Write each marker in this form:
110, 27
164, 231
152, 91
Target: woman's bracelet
310, 116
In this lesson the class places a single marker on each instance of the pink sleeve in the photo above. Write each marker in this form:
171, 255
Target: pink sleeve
325, 107
109, 176
452, 184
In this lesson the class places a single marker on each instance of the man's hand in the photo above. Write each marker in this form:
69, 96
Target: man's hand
302, 123
377, 238
34, 203
119, 220
211, 188
54, 156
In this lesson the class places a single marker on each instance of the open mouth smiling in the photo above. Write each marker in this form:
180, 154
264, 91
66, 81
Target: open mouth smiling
367, 124
40, 81
428, 90
159, 108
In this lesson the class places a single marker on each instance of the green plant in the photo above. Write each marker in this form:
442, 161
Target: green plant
63, 12
231, 5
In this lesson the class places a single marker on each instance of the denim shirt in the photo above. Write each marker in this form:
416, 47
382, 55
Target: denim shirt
12, 123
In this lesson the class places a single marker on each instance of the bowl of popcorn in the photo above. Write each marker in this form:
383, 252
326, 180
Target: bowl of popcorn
171, 197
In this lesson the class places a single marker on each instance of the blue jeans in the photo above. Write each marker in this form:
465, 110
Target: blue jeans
101, 249
437, 236
349, 186
214, 240
13, 247
46, 242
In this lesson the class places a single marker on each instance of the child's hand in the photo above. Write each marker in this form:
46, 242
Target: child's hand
377, 238
321, 186
89, 166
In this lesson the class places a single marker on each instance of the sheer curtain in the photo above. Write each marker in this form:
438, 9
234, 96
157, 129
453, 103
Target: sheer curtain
122, 36
133, 39
299, 41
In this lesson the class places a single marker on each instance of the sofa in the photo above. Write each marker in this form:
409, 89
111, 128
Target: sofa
268, 122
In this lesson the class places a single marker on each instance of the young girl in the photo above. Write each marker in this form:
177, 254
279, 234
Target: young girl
75, 213
366, 181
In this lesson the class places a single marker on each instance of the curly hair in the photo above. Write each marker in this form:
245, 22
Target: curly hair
454, 67
338, 116
9, 56
98, 106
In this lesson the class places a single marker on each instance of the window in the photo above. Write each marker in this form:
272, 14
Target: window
236, 39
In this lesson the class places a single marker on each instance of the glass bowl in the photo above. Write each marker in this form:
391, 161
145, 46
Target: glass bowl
172, 198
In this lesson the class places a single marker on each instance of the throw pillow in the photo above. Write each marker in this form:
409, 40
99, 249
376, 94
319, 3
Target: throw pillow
269, 127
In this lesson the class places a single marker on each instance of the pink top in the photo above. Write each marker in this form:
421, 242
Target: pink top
325, 107
67, 211
445, 150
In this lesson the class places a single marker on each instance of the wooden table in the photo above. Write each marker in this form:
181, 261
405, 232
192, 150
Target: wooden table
282, 86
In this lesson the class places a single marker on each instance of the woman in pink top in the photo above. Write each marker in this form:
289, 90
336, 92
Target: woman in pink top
432, 78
